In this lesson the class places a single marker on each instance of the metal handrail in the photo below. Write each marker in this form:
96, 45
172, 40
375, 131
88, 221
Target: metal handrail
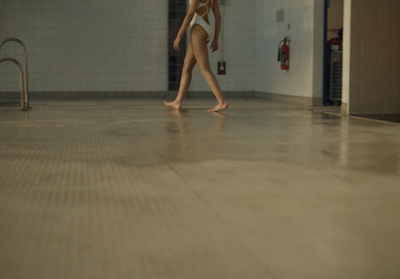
21, 71
25, 68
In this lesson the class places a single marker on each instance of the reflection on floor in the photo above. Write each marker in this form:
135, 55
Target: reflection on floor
131, 189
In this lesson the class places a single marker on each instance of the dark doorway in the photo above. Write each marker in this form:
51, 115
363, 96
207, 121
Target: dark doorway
333, 41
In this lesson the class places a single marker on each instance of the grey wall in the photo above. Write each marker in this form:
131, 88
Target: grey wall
120, 45
95, 46
304, 79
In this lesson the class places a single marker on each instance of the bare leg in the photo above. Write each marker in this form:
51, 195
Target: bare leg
188, 65
199, 45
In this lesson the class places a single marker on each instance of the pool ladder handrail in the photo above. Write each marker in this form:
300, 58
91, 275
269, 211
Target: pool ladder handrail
23, 71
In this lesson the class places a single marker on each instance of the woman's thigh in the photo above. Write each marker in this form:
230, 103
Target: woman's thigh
198, 43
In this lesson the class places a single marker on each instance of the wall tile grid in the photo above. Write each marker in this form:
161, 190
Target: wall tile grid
236, 48
298, 81
176, 14
8, 71
87, 45
121, 46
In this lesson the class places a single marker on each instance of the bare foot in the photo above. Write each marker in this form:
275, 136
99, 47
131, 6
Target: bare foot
219, 107
173, 104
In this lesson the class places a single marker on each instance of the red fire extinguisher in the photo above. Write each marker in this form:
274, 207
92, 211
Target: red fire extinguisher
283, 53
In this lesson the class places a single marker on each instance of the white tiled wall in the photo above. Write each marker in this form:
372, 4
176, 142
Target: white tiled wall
237, 42
92, 45
250, 46
306, 27
121, 46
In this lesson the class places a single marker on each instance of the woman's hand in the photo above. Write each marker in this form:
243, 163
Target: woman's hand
214, 46
176, 43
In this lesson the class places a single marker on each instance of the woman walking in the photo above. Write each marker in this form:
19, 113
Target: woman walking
201, 34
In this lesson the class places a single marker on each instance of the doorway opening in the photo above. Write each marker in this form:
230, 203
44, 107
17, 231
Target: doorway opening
333, 52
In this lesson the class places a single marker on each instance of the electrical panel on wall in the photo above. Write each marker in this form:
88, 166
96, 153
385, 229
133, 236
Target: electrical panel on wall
280, 15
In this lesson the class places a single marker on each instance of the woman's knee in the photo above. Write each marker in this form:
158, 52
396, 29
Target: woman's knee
187, 67
205, 70
204, 66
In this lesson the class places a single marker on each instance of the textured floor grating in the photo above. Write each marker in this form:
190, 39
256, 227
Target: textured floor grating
130, 189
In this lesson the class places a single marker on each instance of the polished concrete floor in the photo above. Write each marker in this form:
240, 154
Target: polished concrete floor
119, 189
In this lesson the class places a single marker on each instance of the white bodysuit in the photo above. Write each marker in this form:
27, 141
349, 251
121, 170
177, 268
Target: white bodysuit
198, 19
